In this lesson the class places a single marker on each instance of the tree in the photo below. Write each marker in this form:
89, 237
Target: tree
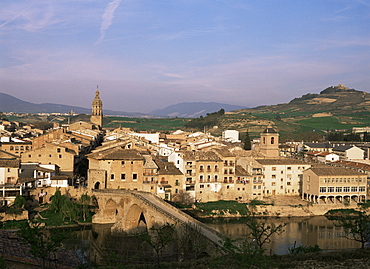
19, 201
183, 197
357, 227
247, 142
158, 238
261, 232
42, 242
85, 201
63, 205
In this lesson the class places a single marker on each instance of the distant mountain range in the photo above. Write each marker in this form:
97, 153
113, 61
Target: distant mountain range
193, 110
9, 103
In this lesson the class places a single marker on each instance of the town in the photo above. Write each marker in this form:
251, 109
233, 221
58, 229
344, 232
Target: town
185, 167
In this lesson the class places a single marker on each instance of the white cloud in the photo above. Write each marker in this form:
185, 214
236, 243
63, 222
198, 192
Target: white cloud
107, 18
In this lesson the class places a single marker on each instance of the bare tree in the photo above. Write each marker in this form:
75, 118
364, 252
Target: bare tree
356, 228
261, 232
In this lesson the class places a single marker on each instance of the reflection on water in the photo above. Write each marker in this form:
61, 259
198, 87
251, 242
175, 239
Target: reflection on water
99, 245
302, 231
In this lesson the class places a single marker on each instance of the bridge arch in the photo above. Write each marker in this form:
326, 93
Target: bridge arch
135, 219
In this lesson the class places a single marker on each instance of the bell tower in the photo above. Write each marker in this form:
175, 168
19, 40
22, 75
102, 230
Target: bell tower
269, 144
97, 110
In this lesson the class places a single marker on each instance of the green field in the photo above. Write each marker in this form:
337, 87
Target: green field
323, 123
145, 124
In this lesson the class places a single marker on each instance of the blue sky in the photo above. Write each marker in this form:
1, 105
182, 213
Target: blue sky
146, 55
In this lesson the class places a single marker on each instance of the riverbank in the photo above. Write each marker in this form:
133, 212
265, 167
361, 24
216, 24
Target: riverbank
278, 206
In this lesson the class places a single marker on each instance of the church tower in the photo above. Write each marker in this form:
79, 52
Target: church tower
97, 110
269, 144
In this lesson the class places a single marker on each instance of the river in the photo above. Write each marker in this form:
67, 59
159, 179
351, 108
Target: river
98, 244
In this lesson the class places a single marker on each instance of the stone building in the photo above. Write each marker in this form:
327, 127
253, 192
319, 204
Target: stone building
54, 154
131, 169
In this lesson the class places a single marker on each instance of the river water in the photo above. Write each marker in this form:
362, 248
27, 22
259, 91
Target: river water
98, 244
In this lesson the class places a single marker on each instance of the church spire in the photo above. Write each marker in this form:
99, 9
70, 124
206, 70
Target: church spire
97, 109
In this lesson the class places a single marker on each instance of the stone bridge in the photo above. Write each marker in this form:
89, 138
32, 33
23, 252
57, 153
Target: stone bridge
135, 211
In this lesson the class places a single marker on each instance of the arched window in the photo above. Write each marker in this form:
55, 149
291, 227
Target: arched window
272, 140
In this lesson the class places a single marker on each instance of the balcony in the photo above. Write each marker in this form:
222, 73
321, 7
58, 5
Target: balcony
150, 182
150, 174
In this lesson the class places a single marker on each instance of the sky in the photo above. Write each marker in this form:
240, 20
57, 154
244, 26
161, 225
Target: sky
146, 55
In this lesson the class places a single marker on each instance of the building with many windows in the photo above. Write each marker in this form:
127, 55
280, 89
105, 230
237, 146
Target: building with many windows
328, 185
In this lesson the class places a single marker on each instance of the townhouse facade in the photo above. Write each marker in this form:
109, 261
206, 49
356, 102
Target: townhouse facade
282, 176
53, 154
9, 169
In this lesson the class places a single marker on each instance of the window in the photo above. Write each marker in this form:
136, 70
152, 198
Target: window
272, 140
111, 176
60, 156
273, 176
273, 168
122, 163
201, 186
361, 189
273, 184
353, 189
58, 150
134, 176
289, 168
330, 189
346, 189
288, 183
322, 189
338, 189
123, 176
177, 182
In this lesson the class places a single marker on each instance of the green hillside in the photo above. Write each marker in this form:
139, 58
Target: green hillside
335, 108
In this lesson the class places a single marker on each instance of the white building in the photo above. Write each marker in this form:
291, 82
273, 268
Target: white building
348, 152
231, 136
282, 176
